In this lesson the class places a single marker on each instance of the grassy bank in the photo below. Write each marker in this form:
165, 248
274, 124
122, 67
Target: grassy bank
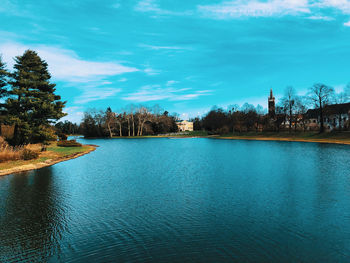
332, 137
53, 155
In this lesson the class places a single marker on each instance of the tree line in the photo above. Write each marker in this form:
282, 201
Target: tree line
134, 120
290, 113
28, 100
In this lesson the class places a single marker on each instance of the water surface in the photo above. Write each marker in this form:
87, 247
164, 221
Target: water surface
182, 200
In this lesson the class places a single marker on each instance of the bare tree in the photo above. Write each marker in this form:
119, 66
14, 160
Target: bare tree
130, 111
119, 119
288, 102
320, 95
301, 109
340, 98
143, 115
110, 120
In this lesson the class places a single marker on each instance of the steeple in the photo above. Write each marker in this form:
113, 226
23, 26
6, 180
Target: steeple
271, 104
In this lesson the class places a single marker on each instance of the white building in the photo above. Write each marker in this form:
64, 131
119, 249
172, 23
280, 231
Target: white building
185, 125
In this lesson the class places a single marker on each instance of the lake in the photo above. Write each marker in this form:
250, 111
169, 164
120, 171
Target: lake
182, 200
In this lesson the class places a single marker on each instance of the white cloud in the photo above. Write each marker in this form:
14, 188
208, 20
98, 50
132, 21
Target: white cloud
342, 5
162, 47
65, 64
151, 71
240, 8
94, 94
153, 7
347, 24
156, 92
75, 114
123, 80
171, 82
324, 18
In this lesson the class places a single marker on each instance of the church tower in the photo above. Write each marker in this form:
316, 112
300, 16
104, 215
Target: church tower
271, 103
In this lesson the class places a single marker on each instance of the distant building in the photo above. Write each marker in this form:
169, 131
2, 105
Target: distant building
335, 116
185, 125
272, 106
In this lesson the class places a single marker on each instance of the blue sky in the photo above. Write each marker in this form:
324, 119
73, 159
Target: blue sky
185, 56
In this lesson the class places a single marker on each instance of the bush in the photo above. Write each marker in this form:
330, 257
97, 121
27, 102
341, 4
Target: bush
62, 136
70, 143
29, 154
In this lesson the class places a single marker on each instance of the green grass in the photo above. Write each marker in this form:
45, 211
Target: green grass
64, 151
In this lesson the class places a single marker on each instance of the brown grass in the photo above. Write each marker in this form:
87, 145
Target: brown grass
9, 153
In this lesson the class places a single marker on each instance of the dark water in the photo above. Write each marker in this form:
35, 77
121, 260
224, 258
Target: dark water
182, 200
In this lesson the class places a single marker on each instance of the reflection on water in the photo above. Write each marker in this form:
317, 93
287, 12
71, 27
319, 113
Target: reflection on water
190, 200
31, 218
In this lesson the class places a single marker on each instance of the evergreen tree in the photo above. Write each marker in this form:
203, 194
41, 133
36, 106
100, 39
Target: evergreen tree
33, 104
3, 86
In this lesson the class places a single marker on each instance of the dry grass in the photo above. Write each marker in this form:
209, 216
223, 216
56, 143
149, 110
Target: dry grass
9, 153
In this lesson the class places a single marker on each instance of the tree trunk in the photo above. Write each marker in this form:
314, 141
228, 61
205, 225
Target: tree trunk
142, 128
128, 127
109, 129
321, 119
133, 125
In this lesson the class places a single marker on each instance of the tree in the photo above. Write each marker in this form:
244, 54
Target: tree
320, 95
340, 98
301, 109
288, 102
110, 120
3, 79
32, 105
4, 74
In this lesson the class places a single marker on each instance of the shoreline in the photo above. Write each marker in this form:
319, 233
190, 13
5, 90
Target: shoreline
329, 140
311, 140
46, 163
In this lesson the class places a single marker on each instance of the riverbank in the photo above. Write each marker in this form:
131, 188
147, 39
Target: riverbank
335, 138
53, 155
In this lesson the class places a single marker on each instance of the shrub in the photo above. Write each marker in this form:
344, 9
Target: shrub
62, 136
70, 143
29, 154
9, 153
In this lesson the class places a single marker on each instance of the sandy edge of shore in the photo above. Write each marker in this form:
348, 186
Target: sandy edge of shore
49, 162
285, 139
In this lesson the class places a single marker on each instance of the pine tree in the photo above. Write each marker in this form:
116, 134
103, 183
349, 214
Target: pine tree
3, 86
33, 104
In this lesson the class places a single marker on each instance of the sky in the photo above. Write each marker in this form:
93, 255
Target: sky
185, 56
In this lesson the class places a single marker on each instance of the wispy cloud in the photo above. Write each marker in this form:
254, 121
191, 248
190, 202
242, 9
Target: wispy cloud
152, 7
347, 24
234, 9
151, 71
75, 114
94, 94
324, 18
162, 47
157, 93
341, 5
309, 9
65, 64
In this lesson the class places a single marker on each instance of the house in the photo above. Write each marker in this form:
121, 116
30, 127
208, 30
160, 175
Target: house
184, 125
335, 116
